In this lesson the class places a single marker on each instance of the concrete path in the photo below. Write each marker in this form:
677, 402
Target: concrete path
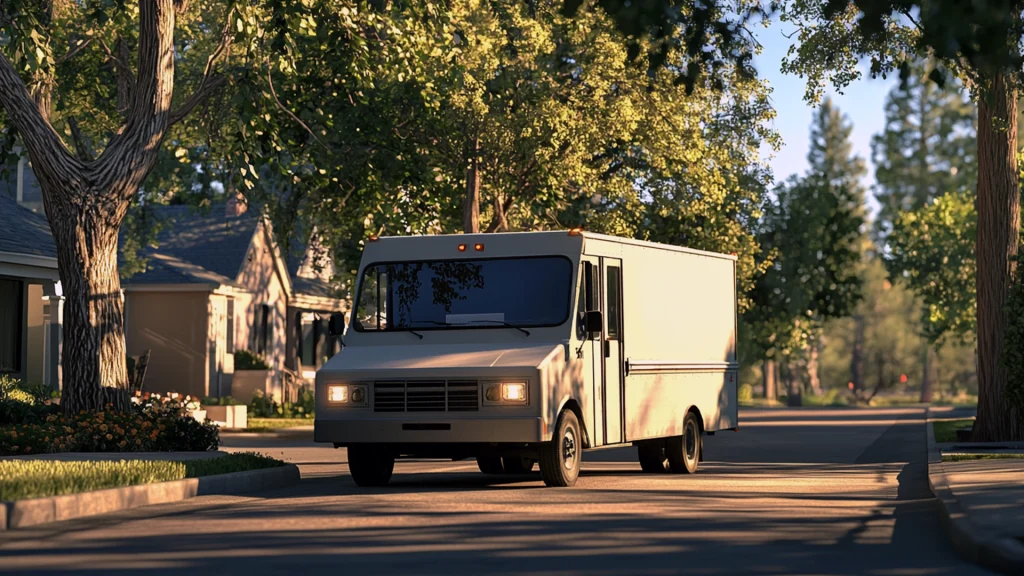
793, 492
991, 493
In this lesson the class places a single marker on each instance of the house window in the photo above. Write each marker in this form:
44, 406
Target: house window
10, 325
230, 339
307, 341
263, 332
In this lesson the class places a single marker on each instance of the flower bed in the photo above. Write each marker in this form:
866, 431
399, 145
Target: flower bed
22, 479
154, 424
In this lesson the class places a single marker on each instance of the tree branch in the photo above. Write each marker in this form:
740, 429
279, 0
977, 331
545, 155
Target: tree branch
210, 82
501, 209
81, 149
123, 71
74, 50
290, 114
52, 161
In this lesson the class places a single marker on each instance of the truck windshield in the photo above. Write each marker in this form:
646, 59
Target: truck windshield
446, 294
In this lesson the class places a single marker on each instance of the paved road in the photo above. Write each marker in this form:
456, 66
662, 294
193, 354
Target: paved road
794, 492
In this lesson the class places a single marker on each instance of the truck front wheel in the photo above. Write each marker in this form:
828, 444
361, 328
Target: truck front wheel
560, 458
370, 465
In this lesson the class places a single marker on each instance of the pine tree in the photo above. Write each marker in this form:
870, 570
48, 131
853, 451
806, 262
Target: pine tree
927, 147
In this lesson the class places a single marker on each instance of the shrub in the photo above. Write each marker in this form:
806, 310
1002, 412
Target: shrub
1013, 340
21, 479
162, 427
221, 401
21, 404
11, 389
263, 406
746, 393
248, 360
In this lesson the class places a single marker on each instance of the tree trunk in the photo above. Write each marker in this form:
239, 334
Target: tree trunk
793, 387
998, 234
857, 356
86, 202
814, 368
471, 203
926, 377
769, 379
94, 368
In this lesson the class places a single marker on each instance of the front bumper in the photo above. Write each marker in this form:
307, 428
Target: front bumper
432, 430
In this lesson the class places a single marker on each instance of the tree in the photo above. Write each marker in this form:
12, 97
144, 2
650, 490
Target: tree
814, 230
53, 50
926, 148
982, 45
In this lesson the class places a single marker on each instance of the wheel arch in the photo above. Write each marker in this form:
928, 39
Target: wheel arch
570, 403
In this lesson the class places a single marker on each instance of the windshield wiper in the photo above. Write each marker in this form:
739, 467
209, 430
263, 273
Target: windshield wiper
502, 322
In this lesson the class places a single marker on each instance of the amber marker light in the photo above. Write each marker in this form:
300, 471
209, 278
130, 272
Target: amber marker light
575, 231
462, 247
374, 238
478, 247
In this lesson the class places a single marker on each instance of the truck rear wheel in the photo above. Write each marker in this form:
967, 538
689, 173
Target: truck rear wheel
370, 465
518, 464
490, 464
560, 458
652, 458
684, 451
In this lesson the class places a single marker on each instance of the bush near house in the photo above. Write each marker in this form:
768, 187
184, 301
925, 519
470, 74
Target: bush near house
263, 406
249, 360
154, 424
22, 479
221, 401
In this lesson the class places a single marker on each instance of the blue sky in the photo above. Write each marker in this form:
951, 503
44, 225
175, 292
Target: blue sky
862, 102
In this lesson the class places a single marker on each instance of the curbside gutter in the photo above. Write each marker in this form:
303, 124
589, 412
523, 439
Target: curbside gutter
975, 543
24, 513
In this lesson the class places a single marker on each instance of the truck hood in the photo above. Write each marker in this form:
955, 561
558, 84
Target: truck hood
449, 360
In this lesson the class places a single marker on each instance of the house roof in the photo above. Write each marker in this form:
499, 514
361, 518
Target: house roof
23, 231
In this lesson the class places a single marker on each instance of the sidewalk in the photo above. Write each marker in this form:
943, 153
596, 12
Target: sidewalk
982, 505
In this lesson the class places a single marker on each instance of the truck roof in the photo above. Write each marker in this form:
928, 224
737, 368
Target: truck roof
472, 238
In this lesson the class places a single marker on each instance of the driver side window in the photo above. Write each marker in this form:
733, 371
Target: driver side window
586, 299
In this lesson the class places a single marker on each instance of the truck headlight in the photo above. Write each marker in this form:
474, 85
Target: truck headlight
506, 393
346, 394
337, 393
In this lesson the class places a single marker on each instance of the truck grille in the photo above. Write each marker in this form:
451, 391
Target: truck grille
426, 396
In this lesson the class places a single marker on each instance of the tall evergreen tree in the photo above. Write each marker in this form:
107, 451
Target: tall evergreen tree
927, 147
814, 230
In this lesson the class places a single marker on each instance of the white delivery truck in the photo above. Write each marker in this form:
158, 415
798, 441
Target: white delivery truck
526, 348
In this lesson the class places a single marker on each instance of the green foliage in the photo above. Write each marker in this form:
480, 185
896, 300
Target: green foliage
263, 406
272, 424
21, 403
248, 360
945, 430
24, 479
927, 148
220, 401
11, 390
932, 250
745, 393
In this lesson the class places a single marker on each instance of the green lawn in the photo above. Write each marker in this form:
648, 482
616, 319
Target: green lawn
21, 479
271, 424
965, 457
945, 430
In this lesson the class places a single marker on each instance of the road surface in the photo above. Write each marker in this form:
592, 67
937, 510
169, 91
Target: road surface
793, 492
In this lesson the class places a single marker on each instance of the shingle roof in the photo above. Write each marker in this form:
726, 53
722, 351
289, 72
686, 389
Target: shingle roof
23, 231
198, 246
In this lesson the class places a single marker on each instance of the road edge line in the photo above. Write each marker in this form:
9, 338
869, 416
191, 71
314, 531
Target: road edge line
974, 543
24, 513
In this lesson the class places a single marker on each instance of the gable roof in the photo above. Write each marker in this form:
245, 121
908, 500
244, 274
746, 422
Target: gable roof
194, 245
23, 231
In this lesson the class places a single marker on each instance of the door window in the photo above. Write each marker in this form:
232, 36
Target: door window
614, 303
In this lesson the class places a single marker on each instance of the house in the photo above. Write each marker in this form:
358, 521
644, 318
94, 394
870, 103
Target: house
31, 304
218, 282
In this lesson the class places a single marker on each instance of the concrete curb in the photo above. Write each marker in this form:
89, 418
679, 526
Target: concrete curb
24, 513
293, 432
975, 543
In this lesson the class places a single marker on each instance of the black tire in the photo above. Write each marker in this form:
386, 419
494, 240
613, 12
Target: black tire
518, 464
652, 458
490, 464
684, 451
560, 458
370, 465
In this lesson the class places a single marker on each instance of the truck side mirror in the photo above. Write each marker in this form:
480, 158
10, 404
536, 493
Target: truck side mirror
336, 324
593, 321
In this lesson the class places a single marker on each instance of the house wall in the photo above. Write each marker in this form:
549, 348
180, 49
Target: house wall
173, 326
261, 277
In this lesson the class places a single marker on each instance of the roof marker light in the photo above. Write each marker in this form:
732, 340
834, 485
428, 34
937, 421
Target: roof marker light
462, 247
373, 238
478, 247
575, 231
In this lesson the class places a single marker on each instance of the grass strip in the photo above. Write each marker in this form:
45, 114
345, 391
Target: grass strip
23, 479
966, 457
945, 430
271, 424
